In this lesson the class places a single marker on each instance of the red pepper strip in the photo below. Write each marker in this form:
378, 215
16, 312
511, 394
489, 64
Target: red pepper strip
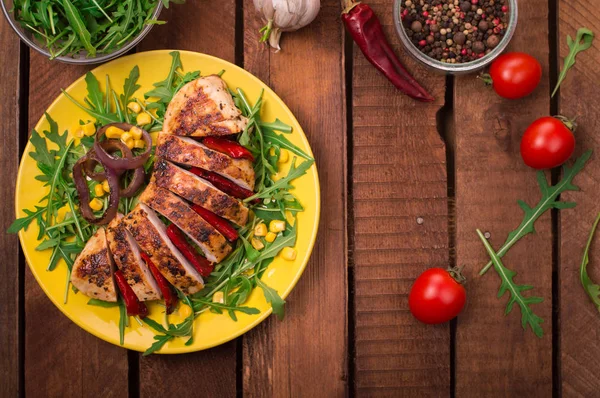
223, 184
202, 265
228, 147
133, 305
365, 28
221, 224
164, 285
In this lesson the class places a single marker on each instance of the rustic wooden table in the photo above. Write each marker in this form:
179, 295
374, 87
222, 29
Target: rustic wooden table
385, 162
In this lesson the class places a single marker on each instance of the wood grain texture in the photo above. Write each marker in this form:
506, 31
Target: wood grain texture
9, 266
494, 355
399, 175
579, 319
63, 360
305, 355
206, 26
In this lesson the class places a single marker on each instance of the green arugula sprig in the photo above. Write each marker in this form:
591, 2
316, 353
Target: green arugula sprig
583, 41
548, 201
90, 27
592, 290
516, 292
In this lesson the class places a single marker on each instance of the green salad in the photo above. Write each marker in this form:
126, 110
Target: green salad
236, 276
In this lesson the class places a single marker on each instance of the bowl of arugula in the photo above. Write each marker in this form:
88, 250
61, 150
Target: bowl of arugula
83, 31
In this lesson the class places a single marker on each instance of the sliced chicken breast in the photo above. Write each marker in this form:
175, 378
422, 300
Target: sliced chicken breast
151, 235
199, 191
92, 271
211, 242
126, 254
203, 108
186, 151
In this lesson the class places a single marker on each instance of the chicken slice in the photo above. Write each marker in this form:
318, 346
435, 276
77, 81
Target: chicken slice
186, 151
151, 235
199, 191
202, 108
213, 244
126, 254
92, 272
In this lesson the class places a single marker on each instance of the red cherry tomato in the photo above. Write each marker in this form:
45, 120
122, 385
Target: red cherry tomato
436, 296
515, 75
547, 143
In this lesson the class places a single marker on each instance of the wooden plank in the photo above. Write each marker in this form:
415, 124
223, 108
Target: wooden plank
494, 356
305, 355
55, 348
206, 26
579, 320
399, 176
9, 161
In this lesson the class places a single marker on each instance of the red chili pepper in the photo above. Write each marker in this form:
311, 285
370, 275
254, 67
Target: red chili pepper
133, 305
365, 28
164, 285
221, 224
228, 147
223, 184
202, 265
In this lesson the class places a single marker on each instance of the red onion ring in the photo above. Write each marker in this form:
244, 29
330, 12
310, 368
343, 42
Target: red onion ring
139, 176
84, 193
122, 163
111, 146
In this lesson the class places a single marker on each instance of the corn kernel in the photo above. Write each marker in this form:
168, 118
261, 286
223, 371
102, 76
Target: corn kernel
284, 156
88, 129
288, 253
140, 144
99, 190
136, 132
277, 226
272, 152
143, 119
218, 297
270, 237
78, 133
126, 137
96, 204
260, 229
257, 244
185, 310
114, 132
134, 107
129, 143
105, 186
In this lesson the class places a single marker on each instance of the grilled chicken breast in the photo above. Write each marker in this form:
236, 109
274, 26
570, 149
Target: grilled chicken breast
203, 108
151, 235
213, 244
126, 254
199, 191
186, 151
92, 272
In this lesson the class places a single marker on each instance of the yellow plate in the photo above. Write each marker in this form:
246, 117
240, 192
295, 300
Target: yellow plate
209, 329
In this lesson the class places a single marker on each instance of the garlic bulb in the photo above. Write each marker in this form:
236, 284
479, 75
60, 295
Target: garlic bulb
285, 16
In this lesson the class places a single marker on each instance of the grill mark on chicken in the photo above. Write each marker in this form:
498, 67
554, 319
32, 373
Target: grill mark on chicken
93, 269
186, 151
204, 107
199, 191
149, 232
127, 257
213, 244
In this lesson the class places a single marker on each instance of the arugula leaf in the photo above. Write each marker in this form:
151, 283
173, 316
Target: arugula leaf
78, 26
94, 93
129, 88
273, 297
508, 285
103, 304
276, 125
548, 201
283, 183
582, 42
224, 307
592, 290
23, 222
282, 142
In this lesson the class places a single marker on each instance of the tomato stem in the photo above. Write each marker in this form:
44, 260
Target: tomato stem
486, 78
456, 273
570, 123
